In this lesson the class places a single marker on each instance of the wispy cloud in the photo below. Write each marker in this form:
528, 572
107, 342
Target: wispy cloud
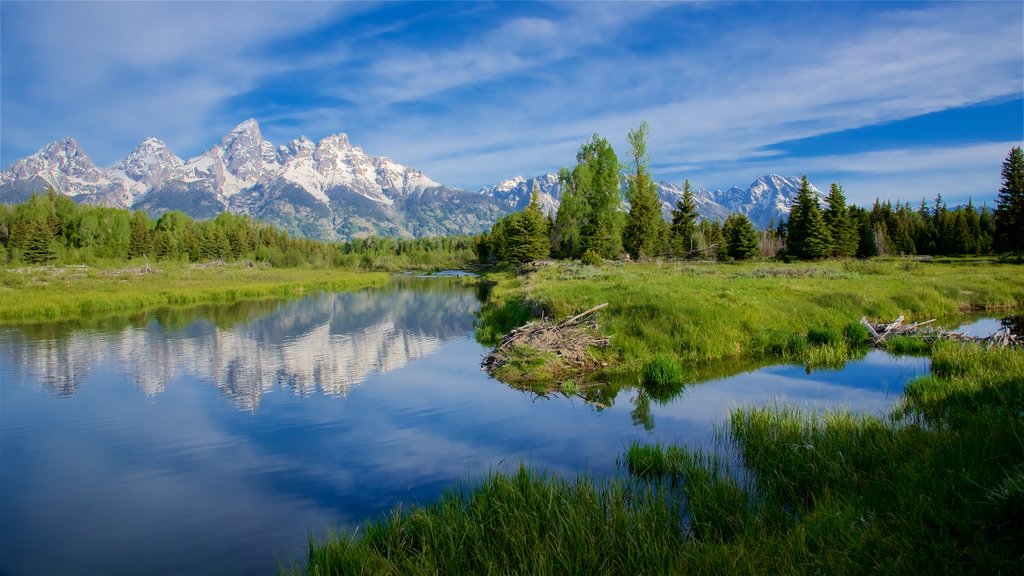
475, 93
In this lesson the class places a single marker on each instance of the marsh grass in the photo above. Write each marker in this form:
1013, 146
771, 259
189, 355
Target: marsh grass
700, 313
67, 293
525, 522
663, 377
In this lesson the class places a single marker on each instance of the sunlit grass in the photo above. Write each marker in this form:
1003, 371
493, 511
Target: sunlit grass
37, 294
700, 313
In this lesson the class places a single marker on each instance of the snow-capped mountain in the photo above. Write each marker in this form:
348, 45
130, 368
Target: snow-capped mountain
326, 190
768, 199
515, 193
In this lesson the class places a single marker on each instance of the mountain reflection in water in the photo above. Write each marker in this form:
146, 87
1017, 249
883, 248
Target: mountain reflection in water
326, 343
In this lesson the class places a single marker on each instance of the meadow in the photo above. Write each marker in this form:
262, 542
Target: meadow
699, 315
44, 293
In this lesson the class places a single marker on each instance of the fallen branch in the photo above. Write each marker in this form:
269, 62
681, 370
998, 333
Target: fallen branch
881, 331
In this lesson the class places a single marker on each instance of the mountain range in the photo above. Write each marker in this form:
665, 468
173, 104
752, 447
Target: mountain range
326, 190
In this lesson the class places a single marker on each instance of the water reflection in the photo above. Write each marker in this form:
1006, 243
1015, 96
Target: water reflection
326, 343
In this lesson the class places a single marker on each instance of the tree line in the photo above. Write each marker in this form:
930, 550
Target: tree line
591, 223
51, 228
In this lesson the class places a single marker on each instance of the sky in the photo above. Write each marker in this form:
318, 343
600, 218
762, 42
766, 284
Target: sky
898, 101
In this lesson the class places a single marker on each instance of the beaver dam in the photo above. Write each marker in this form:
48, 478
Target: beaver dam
568, 340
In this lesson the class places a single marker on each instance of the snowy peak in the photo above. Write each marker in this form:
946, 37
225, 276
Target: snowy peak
61, 164
246, 156
515, 193
151, 163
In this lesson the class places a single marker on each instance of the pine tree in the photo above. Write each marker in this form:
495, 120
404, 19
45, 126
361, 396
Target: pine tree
39, 242
139, 240
1009, 212
808, 237
740, 237
840, 226
642, 234
684, 224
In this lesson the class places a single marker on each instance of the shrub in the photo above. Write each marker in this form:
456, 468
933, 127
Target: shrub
591, 258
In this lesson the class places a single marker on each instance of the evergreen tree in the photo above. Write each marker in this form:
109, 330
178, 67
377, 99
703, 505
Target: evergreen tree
1009, 212
38, 244
740, 237
840, 226
808, 237
642, 235
710, 238
526, 234
684, 224
139, 240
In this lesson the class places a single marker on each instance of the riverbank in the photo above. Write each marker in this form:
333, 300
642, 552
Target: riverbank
698, 315
34, 294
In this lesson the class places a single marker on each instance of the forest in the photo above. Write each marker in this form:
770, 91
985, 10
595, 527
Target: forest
591, 225
51, 228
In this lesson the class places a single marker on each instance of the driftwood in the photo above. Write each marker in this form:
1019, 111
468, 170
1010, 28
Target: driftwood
567, 338
881, 331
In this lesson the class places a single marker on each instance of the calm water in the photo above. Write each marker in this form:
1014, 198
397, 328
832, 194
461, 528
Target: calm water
212, 441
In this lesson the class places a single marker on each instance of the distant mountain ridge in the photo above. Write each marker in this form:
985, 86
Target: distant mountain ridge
327, 190
768, 199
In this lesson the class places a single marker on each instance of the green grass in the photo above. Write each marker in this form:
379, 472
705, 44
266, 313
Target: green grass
706, 313
66, 293
526, 522
662, 377
938, 488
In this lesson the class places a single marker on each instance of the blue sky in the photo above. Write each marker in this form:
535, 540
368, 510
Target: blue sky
893, 100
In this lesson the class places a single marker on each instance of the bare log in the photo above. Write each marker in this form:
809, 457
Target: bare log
582, 315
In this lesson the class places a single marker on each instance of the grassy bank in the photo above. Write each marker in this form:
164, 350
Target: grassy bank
938, 488
702, 314
34, 294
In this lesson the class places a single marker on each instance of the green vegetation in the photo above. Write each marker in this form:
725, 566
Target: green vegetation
938, 488
700, 313
662, 377
683, 231
646, 231
52, 229
740, 238
1009, 215
33, 294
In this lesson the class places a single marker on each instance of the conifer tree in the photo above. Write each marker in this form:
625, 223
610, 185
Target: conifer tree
740, 237
643, 223
139, 239
807, 235
840, 225
1009, 212
684, 223
39, 242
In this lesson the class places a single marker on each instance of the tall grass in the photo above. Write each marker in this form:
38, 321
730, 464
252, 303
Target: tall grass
526, 522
